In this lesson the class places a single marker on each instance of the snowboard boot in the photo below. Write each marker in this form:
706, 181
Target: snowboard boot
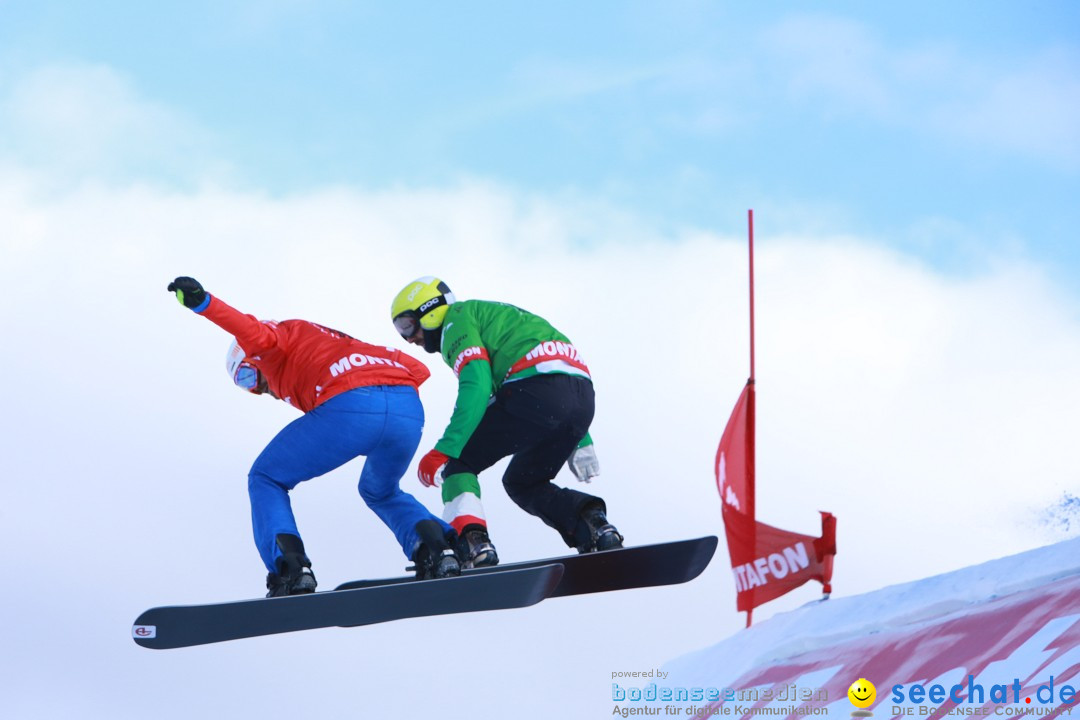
475, 549
594, 533
434, 557
293, 576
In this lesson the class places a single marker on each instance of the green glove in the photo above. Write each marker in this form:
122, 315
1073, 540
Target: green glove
188, 291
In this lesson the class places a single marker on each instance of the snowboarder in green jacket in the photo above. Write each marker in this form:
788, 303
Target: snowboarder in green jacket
523, 390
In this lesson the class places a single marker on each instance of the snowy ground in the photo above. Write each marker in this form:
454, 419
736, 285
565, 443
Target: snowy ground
906, 628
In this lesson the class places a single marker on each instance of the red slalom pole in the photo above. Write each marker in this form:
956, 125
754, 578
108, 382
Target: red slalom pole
750, 219
751, 411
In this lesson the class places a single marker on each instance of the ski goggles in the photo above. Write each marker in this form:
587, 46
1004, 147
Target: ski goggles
407, 324
247, 376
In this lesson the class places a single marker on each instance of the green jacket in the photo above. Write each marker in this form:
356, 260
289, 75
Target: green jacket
487, 344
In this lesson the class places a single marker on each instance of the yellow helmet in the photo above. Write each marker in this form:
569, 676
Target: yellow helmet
422, 302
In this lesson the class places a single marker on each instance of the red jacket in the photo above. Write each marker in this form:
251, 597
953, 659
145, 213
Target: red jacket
306, 364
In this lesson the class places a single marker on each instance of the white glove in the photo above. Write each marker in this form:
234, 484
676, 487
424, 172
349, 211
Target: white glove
583, 463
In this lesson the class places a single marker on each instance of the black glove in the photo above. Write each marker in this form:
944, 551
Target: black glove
188, 291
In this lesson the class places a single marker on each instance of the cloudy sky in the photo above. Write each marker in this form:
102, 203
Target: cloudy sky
913, 171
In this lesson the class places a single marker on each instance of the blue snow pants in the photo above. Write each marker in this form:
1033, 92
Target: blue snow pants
381, 422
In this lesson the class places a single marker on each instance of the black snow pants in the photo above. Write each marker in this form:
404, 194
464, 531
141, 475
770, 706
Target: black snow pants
539, 420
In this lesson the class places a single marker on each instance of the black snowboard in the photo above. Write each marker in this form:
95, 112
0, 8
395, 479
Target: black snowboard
182, 626
623, 569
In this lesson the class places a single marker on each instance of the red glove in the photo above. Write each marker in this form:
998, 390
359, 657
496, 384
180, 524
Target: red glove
430, 465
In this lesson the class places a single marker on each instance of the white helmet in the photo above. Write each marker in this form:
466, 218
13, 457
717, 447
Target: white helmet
243, 374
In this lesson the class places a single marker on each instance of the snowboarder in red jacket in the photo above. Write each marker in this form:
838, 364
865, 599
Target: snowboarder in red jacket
358, 399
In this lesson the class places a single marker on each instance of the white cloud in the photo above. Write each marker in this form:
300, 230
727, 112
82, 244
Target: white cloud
844, 69
833, 58
923, 410
81, 121
1032, 109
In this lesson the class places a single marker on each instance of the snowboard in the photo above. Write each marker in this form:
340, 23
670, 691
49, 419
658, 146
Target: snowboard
186, 625
621, 569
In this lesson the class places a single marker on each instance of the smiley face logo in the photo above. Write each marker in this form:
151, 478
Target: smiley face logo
862, 693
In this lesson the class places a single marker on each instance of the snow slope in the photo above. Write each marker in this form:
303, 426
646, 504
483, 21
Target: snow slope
997, 631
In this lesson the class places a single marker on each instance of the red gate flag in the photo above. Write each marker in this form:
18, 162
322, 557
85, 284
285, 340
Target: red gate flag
767, 561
